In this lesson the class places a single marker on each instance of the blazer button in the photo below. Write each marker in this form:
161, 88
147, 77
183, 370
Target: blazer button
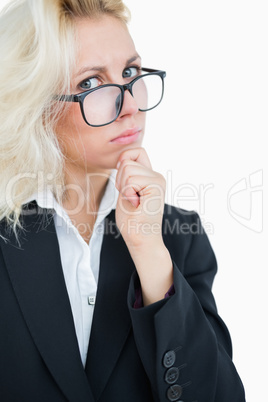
169, 358
172, 375
174, 392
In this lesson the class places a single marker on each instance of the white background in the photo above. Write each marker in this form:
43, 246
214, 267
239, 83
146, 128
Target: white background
208, 139
209, 136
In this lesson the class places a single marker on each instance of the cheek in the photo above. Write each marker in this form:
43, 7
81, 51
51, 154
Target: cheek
80, 143
71, 121
86, 146
69, 129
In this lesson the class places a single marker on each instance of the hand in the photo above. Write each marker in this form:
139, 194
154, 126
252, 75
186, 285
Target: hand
140, 205
139, 215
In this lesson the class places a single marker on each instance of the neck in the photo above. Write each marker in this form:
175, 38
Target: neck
82, 197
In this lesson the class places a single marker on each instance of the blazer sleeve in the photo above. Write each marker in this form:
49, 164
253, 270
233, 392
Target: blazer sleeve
184, 345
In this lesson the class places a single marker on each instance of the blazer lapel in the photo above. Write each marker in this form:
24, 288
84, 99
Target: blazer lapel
37, 278
111, 321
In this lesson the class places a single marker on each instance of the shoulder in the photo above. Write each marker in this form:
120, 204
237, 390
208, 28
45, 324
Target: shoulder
179, 222
185, 236
186, 221
33, 220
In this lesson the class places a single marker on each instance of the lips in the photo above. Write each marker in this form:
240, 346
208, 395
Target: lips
127, 136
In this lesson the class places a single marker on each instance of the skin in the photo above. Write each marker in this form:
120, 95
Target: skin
91, 151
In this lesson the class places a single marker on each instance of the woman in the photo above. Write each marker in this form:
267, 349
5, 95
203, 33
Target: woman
84, 228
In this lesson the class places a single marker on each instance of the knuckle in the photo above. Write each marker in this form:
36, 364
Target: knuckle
161, 178
126, 171
124, 163
130, 181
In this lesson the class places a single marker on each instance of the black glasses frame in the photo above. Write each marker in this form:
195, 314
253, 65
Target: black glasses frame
126, 87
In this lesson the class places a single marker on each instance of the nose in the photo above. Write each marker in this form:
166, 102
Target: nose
130, 106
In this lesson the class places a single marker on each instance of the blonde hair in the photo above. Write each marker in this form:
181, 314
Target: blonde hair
37, 47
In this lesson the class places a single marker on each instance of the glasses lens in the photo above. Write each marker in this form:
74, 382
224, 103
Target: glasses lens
148, 91
102, 106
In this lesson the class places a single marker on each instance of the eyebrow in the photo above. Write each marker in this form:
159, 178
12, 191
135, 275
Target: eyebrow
103, 69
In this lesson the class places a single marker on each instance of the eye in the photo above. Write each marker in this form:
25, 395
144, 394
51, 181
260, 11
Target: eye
90, 83
131, 72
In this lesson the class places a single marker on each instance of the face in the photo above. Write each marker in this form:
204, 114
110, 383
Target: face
106, 55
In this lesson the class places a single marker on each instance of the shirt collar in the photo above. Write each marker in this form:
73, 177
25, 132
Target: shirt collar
46, 200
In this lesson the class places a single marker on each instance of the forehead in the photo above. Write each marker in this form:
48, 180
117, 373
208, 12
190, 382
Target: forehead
103, 41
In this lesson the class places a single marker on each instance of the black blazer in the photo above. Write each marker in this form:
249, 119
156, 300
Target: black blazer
175, 349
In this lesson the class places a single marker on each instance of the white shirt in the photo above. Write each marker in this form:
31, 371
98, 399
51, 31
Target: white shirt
80, 261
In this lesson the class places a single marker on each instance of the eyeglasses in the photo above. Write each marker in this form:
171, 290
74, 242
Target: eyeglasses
102, 105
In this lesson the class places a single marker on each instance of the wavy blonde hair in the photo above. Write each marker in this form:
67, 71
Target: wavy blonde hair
37, 47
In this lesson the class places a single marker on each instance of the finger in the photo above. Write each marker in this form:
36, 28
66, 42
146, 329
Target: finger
129, 189
143, 186
128, 169
131, 198
138, 155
